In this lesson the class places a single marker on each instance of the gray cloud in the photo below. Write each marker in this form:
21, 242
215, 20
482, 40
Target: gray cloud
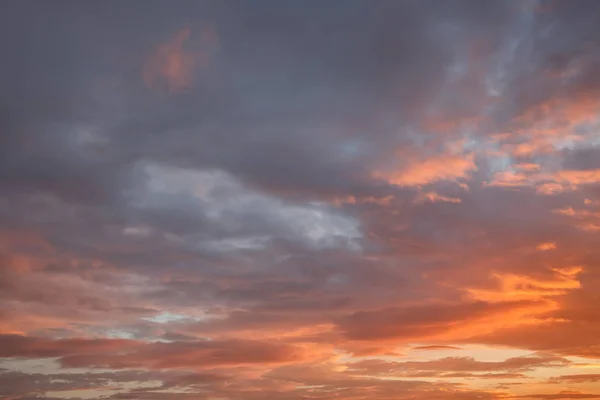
331, 177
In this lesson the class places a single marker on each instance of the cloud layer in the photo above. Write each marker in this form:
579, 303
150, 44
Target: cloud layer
360, 200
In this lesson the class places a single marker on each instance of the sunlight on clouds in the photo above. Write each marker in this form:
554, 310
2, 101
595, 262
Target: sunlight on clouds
546, 246
523, 287
427, 171
225, 201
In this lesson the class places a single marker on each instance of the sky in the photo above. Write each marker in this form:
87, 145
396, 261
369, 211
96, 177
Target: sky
300, 200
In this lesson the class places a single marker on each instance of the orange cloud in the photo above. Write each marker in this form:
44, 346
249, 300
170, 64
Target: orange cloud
546, 246
423, 172
564, 395
546, 182
584, 177
175, 62
519, 287
577, 378
436, 320
585, 220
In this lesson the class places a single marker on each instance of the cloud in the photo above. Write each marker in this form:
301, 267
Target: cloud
436, 347
546, 246
21, 384
561, 395
191, 355
273, 200
128, 354
23, 346
458, 367
433, 197
423, 172
175, 64
522, 287
577, 378
427, 320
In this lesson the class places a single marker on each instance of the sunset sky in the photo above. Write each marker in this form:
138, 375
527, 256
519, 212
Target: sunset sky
300, 200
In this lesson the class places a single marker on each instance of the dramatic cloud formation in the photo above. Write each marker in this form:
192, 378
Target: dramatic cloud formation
283, 200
